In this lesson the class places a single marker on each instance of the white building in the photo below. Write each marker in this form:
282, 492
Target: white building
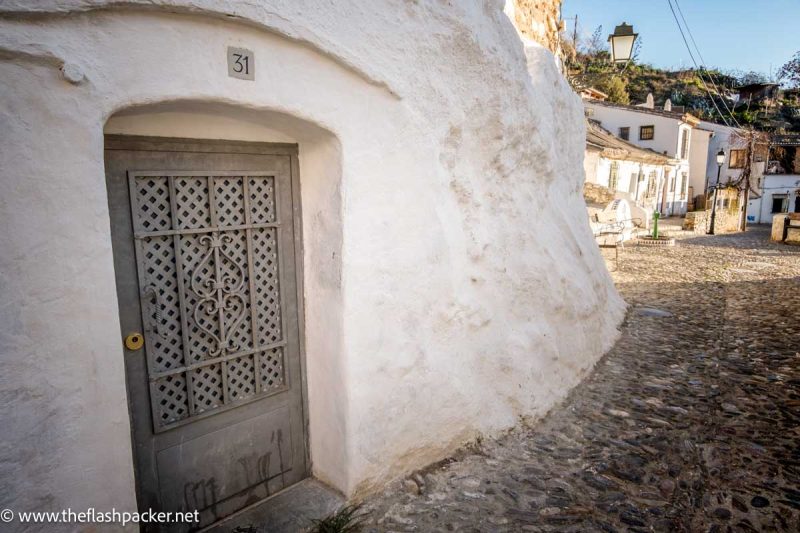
733, 141
780, 193
630, 172
779, 188
661, 130
243, 246
699, 156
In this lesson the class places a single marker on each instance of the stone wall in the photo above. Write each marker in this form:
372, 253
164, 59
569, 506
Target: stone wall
726, 221
779, 226
539, 20
597, 194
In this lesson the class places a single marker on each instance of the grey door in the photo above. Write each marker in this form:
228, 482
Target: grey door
207, 270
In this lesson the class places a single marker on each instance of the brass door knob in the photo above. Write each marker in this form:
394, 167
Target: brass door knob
134, 341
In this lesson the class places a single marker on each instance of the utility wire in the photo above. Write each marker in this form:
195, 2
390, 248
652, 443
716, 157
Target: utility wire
745, 176
703, 65
700, 73
689, 49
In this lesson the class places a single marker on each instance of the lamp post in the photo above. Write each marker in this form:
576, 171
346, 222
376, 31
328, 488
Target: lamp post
720, 161
622, 41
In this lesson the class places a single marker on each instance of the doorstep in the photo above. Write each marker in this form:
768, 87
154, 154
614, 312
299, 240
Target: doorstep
288, 511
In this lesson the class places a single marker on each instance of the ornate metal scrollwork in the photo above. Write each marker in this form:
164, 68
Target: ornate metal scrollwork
220, 294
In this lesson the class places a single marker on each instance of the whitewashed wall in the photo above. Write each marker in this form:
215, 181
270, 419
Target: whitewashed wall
591, 165
627, 175
448, 289
759, 210
666, 138
698, 160
673, 190
666, 141
728, 138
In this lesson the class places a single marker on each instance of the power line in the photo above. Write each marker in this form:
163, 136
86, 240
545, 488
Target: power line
745, 176
691, 55
703, 65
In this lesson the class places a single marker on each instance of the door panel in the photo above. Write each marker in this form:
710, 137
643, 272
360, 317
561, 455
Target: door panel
219, 465
204, 256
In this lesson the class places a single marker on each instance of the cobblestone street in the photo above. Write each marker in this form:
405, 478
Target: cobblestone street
690, 423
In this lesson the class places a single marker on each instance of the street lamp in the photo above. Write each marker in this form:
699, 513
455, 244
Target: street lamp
622, 41
720, 161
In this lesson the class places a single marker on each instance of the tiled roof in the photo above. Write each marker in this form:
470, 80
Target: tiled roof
677, 115
616, 148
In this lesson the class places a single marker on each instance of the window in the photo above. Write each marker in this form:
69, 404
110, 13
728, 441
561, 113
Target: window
671, 181
632, 184
651, 185
684, 185
613, 177
779, 203
646, 133
625, 133
684, 144
737, 158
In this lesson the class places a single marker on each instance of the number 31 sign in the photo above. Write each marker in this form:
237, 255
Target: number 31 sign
241, 63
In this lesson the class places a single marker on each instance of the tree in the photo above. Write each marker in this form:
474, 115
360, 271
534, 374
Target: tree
789, 74
596, 43
616, 89
724, 80
637, 50
750, 77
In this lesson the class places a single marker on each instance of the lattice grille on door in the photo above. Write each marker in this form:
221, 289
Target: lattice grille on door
207, 257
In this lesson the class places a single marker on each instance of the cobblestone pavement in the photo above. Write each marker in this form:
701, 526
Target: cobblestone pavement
690, 423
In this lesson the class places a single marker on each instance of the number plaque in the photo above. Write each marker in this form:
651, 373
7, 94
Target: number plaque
241, 63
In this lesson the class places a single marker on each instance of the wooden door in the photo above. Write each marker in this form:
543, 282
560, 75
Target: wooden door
207, 270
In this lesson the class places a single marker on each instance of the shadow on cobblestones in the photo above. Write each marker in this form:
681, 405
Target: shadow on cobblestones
690, 423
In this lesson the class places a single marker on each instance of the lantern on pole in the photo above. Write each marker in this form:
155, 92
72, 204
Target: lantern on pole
720, 159
720, 162
622, 41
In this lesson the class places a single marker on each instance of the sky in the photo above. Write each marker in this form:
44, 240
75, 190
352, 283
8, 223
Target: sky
745, 35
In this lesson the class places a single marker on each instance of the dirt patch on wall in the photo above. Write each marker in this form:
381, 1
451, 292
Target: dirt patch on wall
539, 20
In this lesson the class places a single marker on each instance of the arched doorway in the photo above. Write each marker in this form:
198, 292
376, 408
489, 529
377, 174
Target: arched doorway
206, 236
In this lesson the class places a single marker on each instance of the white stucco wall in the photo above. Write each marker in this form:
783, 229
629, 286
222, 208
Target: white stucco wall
728, 138
666, 140
674, 190
448, 288
626, 181
666, 135
591, 165
698, 160
759, 210
725, 138
598, 170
